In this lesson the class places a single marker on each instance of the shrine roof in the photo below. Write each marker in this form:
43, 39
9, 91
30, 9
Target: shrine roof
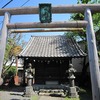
52, 46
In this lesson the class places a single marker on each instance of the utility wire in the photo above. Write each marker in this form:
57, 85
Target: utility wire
25, 3
4, 7
10, 2
7, 3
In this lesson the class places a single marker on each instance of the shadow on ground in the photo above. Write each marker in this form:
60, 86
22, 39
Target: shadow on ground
85, 95
55, 95
12, 88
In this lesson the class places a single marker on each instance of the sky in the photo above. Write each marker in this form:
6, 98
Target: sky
35, 18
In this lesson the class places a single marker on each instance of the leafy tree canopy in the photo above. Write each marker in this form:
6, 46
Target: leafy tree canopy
80, 16
13, 46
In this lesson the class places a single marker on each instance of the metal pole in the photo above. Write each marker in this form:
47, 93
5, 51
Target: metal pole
93, 57
4, 32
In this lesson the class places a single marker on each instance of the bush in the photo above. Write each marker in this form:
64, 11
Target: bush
10, 72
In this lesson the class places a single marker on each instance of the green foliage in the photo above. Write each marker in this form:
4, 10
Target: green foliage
96, 1
80, 16
84, 1
13, 47
96, 21
8, 48
11, 71
77, 16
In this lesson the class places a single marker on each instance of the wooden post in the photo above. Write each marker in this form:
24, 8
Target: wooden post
16, 66
16, 76
93, 57
24, 68
4, 32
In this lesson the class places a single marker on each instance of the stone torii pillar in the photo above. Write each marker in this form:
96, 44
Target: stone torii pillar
4, 32
93, 57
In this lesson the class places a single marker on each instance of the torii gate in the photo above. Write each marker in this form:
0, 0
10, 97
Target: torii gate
64, 26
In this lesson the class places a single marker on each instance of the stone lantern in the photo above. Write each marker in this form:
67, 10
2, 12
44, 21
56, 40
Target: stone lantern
72, 88
29, 75
29, 87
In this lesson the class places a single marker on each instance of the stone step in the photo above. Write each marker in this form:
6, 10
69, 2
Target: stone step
50, 91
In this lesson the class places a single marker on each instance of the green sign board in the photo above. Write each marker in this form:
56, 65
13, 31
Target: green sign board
45, 13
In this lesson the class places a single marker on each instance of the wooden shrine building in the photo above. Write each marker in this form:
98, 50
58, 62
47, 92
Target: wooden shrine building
50, 57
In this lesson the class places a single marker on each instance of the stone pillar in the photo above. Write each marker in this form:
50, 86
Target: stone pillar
93, 56
72, 88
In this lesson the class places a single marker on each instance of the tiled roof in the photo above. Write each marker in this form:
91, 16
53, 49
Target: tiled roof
51, 46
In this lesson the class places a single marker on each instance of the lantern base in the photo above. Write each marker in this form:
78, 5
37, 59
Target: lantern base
28, 91
73, 92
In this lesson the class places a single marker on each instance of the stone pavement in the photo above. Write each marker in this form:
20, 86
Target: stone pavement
12, 93
16, 93
4, 95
